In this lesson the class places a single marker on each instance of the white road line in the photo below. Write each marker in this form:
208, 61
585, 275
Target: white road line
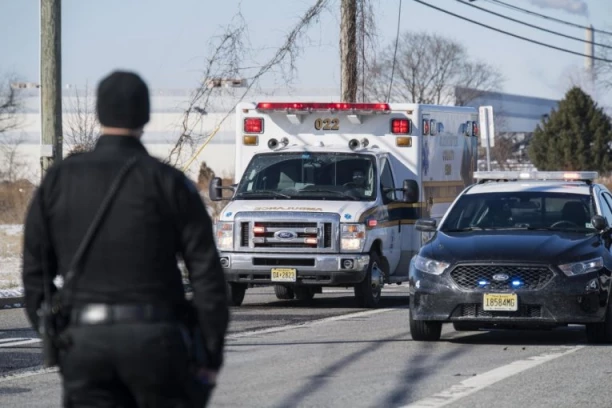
12, 342
27, 373
481, 381
307, 324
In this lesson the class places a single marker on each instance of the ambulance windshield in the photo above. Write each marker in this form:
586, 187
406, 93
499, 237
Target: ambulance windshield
309, 176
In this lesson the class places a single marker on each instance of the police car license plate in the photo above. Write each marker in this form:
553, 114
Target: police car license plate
500, 302
284, 275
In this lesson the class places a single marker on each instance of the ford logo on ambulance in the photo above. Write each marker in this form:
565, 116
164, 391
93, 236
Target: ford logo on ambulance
285, 234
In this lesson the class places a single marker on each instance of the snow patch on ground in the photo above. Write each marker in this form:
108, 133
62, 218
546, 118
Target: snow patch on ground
12, 229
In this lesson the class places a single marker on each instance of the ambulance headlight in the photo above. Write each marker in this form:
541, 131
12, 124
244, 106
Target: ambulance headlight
225, 235
352, 237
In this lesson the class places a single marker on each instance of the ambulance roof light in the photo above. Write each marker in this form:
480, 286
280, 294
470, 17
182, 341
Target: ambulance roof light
322, 106
586, 176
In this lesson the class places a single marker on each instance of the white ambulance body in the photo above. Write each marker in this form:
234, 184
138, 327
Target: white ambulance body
327, 194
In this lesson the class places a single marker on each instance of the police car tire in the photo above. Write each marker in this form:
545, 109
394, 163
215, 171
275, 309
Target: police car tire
598, 333
424, 330
235, 293
283, 292
363, 290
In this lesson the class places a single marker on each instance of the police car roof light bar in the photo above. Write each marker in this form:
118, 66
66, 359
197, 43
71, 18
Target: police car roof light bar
585, 176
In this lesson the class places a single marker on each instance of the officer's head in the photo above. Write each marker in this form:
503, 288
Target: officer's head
122, 104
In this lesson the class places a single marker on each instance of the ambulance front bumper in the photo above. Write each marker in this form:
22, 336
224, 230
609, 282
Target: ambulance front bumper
298, 269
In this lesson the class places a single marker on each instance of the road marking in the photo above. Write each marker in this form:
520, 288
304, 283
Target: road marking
28, 372
308, 324
17, 341
481, 381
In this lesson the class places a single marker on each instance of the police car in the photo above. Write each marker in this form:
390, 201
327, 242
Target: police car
517, 250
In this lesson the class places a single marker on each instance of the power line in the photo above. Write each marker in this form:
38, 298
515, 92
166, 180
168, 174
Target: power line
399, 14
503, 4
513, 35
534, 26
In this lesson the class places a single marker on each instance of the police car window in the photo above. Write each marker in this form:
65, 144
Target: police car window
606, 207
521, 210
386, 181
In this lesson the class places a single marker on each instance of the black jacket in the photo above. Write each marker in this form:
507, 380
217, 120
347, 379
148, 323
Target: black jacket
156, 216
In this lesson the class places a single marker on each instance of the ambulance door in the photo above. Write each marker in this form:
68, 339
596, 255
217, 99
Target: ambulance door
392, 246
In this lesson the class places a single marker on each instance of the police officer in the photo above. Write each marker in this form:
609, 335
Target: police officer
127, 341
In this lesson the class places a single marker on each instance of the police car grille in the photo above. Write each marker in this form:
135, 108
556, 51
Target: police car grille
524, 311
472, 276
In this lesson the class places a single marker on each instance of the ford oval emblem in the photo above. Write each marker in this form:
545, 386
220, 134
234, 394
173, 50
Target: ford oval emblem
285, 234
500, 277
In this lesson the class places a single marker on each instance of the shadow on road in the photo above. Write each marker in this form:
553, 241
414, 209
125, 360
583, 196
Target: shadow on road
314, 383
571, 335
13, 390
327, 302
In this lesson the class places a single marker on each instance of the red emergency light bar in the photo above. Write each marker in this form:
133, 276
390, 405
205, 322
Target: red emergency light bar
322, 106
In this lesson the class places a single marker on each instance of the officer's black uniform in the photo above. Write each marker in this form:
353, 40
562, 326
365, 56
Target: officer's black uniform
157, 214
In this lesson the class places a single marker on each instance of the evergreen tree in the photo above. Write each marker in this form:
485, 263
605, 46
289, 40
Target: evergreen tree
577, 136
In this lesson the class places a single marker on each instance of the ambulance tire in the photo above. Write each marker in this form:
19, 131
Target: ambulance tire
283, 292
368, 291
304, 293
235, 293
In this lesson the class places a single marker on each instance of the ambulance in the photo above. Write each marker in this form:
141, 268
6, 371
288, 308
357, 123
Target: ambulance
327, 194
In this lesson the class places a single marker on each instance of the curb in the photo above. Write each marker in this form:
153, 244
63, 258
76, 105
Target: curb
11, 302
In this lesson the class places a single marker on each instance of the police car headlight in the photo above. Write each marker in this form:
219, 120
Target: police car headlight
225, 235
352, 237
429, 265
580, 268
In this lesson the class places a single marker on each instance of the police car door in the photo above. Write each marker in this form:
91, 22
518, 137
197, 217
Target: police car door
392, 246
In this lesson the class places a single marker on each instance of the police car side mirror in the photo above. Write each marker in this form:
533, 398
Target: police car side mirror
425, 225
599, 223
215, 189
410, 189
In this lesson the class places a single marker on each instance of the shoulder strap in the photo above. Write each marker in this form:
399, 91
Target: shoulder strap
73, 269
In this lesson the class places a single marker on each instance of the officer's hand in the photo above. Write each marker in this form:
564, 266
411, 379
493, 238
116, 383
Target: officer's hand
207, 376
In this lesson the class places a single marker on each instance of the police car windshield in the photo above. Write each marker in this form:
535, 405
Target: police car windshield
523, 210
312, 176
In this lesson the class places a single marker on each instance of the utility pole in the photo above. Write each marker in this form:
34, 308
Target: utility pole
348, 49
50, 83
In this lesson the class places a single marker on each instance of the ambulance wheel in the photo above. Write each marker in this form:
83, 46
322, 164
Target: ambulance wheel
368, 291
235, 293
304, 293
283, 292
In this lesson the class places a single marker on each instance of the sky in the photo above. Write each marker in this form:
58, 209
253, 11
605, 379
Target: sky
167, 42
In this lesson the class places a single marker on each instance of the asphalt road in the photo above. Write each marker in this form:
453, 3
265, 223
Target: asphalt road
331, 354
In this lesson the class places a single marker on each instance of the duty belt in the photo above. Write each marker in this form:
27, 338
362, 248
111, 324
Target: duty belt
107, 314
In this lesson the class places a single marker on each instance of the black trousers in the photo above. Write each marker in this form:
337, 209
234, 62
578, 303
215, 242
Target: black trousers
129, 365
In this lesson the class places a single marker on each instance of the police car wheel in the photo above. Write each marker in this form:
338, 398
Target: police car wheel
283, 292
424, 330
235, 293
598, 333
368, 292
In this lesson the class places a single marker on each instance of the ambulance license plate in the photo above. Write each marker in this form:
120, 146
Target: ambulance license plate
500, 302
284, 275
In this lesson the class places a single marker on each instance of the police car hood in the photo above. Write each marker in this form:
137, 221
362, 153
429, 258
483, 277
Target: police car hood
552, 247
348, 211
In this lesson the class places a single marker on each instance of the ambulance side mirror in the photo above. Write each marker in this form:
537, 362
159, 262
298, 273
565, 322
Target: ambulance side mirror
215, 189
410, 189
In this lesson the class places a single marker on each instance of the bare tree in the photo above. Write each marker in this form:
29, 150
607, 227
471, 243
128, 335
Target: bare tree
81, 127
427, 69
12, 165
10, 103
228, 60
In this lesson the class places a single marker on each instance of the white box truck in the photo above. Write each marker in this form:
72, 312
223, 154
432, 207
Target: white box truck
327, 194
